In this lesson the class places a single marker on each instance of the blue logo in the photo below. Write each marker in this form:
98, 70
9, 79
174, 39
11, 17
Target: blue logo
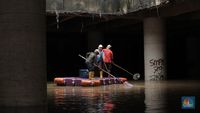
188, 102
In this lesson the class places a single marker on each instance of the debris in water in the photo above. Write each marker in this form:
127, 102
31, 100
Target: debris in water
127, 84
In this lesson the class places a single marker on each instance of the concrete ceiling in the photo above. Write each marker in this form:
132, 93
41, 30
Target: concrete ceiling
76, 22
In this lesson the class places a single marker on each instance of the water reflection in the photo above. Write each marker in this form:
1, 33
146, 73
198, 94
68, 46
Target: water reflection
103, 99
35, 109
149, 97
155, 97
87, 99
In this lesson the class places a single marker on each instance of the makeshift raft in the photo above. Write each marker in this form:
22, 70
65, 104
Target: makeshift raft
77, 81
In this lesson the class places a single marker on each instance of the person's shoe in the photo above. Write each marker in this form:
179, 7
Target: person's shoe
101, 74
90, 76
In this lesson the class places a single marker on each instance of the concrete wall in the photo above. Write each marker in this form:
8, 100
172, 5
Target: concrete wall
100, 6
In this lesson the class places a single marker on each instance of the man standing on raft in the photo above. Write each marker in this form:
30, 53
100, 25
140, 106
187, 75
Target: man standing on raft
90, 62
108, 58
100, 60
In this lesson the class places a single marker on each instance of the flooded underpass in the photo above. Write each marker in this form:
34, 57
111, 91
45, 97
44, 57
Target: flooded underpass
149, 97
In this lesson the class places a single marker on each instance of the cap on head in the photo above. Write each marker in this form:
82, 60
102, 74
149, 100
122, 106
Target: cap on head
100, 46
108, 46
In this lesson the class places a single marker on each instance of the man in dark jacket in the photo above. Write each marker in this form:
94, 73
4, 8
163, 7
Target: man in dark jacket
91, 61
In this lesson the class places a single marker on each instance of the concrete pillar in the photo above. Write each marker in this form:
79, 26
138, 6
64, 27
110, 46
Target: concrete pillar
94, 39
154, 49
22, 53
155, 68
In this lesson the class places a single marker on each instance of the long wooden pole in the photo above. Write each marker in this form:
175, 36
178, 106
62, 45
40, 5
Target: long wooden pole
122, 68
97, 66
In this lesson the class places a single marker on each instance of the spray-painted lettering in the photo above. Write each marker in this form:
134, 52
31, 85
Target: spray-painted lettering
158, 69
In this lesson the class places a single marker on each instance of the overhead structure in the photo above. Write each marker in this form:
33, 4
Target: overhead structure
101, 6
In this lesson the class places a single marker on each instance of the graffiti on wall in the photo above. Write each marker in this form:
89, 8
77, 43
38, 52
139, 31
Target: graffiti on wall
158, 66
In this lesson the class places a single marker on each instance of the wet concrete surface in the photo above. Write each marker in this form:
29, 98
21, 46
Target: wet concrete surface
149, 97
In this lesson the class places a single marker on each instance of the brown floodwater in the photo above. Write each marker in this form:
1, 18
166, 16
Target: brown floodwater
148, 97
